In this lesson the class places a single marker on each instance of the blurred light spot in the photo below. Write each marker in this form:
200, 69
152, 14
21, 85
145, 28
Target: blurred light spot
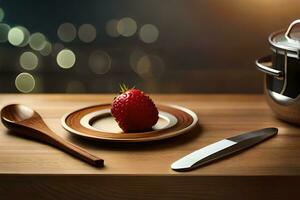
126, 27
2, 14
26, 34
25, 82
135, 57
149, 33
29, 60
47, 49
87, 33
150, 66
66, 32
75, 87
4, 29
99, 62
66, 58
111, 28
143, 66
56, 48
37, 41
18, 36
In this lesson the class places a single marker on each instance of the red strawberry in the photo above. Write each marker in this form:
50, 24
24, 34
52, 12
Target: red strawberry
134, 111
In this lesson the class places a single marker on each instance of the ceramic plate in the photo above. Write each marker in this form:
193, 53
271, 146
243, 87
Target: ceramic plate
96, 122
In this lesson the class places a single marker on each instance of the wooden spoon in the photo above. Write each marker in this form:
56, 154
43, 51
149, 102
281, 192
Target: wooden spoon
26, 122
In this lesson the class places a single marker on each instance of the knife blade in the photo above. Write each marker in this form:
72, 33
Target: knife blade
222, 148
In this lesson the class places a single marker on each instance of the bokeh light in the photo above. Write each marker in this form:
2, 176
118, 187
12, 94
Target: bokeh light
100, 62
149, 33
28, 60
111, 28
126, 27
143, 66
75, 87
150, 66
4, 29
25, 82
135, 57
18, 36
37, 41
87, 33
47, 49
66, 58
66, 32
2, 14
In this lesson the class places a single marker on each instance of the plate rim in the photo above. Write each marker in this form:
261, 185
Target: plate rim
176, 133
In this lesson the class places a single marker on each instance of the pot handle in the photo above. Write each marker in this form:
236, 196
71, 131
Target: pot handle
261, 65
287, 34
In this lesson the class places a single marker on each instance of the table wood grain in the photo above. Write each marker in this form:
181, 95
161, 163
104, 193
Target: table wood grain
142, 171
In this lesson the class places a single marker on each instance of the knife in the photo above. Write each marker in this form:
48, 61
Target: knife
222, 148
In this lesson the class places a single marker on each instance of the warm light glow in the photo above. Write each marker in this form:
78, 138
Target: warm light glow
126, 27
111, 28
29, 60
18, 36
144, 66
25, 82
149, 33
135, 57
2, 14
150, 66
66, 58
37, 41
47, 49
4, 29
66, 32
87, 33
99, 62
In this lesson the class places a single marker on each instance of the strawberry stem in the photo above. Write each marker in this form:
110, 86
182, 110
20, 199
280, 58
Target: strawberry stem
124, 88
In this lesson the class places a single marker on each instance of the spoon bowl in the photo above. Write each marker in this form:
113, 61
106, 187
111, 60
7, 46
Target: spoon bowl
26, 122
16, 113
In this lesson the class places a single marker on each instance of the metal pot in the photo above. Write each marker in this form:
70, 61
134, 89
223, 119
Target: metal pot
282, 69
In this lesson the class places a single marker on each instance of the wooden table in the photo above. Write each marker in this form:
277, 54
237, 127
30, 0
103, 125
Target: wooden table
142, 171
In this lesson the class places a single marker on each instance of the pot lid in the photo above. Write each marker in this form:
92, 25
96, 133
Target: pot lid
287, 39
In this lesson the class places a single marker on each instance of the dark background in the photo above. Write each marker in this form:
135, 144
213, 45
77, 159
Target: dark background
204, 46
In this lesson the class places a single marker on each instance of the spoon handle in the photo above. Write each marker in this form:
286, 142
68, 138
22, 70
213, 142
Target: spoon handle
75, 150
45, 134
